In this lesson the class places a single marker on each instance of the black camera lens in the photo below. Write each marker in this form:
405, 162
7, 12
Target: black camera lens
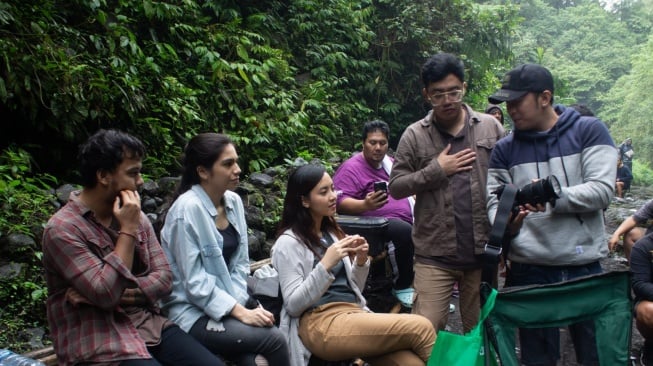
539, 192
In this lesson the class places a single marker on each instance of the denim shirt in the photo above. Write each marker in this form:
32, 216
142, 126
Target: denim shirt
202, 281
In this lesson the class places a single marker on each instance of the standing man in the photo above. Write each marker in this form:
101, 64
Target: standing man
443, 159
553, 242
106, 271
355, 178
626, 153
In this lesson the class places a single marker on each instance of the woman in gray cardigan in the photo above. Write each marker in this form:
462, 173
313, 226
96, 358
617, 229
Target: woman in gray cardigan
322, 272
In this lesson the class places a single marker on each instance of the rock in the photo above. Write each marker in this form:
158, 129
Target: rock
254, 242
274, 171
11, 270
255, 199
254, 246
261, 180
267, 247
245, 188
151, 188
35, 337
168, 184
299, 162
254, 217
64, 191
15, 243
148, 205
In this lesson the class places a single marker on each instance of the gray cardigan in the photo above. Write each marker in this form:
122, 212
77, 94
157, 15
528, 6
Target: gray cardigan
302, 285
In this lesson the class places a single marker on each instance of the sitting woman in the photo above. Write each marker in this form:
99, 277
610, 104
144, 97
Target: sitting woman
322, 272
205, 240
624, 177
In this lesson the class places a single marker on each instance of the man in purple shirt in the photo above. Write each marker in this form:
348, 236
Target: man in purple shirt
355, 179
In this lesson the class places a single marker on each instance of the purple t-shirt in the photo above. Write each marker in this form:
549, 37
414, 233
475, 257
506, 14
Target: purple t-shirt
355, 179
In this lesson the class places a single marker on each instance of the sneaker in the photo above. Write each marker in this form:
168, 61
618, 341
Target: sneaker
646, 355
452, 308
405, 296
260, 361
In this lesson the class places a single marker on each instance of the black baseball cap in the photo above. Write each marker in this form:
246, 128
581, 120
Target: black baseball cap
521, 80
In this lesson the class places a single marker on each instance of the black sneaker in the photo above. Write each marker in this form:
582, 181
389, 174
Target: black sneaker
646, 354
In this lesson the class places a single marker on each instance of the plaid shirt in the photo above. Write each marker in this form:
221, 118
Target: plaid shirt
78, 253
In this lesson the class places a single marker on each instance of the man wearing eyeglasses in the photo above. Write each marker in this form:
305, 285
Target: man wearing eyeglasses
443, 160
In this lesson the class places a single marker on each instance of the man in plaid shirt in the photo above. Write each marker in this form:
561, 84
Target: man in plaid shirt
105, 269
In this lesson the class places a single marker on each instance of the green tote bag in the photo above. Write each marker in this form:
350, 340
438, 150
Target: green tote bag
453, 349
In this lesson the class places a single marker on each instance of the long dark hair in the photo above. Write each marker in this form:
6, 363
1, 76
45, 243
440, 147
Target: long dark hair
202, 150
297, 217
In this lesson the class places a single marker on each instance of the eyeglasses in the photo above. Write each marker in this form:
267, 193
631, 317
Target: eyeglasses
454, 96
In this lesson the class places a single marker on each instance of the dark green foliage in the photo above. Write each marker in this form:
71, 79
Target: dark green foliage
284, 78
25, 207
279, 76
25, 204
585, 47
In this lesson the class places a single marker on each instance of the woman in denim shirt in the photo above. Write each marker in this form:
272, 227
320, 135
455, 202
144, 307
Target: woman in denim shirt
205, 240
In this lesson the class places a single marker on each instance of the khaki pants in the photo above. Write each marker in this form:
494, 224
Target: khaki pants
433, 287
341, 331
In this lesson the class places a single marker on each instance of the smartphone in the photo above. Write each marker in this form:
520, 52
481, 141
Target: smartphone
381, 186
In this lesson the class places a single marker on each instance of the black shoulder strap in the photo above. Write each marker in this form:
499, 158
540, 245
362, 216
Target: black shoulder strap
499, 243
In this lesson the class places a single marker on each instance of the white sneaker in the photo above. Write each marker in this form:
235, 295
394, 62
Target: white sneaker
452, 308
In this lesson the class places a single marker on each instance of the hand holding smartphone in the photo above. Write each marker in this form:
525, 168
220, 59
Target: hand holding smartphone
381, 186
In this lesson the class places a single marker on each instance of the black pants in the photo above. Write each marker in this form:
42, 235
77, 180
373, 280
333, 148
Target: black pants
401, 234
240, 343
177, 348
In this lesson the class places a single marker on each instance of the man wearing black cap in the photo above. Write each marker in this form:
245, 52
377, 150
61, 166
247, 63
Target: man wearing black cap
552, 242
443, 159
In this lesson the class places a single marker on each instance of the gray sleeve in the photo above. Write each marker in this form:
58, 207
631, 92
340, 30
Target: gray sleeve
644, 213
301, 284
597, 187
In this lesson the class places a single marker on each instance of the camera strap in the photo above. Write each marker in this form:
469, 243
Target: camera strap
499, 243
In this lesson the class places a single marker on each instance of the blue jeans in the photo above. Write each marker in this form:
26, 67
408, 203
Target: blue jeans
541, 346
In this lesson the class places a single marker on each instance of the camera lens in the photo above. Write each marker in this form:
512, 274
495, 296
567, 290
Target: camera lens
540, 192
555, 185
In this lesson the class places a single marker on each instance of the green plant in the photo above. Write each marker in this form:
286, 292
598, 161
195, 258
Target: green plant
642, 173
26, 206
22, 304
24, 197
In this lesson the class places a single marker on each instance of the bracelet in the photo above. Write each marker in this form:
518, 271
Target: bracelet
133, 236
